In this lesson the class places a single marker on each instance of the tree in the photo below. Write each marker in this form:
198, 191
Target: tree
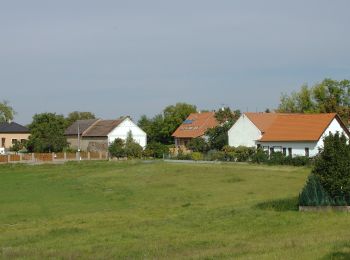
156, 150
162, 126
116, 149
332, 166
132, 148
198, 145
217, 136
47, 133
329, 96
6, 112
76, 115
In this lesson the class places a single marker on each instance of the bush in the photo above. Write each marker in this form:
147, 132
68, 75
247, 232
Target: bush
214, 155
260, 156
131, 148
244, 154
116, 149
197, 156
183, 156
313, 194
156, 150
332, 166
198, 145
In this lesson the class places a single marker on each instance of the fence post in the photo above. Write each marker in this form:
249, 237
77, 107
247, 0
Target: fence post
33, 157
8, 158
65, 156
53, 156
100, 154
20, 157
88, 155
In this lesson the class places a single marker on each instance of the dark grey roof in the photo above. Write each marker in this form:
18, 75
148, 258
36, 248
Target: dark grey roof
83, 126
13, 128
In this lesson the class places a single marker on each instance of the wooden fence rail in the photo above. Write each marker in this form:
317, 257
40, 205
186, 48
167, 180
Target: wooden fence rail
52, 157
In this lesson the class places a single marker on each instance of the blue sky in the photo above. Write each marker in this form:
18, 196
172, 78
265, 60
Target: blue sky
118, 58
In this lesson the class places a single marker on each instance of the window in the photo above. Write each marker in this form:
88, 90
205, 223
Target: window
290, 151
258, 146
3, 142
14, 141
284, 151
272, 150
307, 151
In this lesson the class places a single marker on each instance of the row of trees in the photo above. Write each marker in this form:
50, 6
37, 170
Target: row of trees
329, 96
47, 129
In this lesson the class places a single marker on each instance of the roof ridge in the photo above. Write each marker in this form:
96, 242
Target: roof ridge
93, 124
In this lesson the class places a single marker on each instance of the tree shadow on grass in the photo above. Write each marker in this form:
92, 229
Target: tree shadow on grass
341, 251
337, 255
287, 204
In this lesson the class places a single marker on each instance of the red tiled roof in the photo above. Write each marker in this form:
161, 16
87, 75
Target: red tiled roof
292, 127
196, 125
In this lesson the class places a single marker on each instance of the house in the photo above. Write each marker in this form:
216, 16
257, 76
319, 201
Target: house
291, 134
10, 133
194, 126
98, 134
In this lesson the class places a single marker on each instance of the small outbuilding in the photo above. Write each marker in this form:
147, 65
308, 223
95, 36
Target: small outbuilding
98, 134
291, 134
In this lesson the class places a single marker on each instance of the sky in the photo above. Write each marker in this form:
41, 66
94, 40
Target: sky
117, 58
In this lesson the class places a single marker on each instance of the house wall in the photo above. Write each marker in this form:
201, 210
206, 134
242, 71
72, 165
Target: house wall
88, 143
182, 141
243, 133
10, 136
298, 148
122, 130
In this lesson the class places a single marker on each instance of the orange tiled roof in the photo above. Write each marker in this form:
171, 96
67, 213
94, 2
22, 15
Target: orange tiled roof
196, 125
292, 127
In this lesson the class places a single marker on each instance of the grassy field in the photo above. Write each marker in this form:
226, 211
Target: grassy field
161, 210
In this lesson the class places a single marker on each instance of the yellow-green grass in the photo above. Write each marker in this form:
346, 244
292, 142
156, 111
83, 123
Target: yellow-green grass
139, 210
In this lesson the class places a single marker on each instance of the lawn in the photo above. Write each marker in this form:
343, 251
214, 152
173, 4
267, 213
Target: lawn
140, 210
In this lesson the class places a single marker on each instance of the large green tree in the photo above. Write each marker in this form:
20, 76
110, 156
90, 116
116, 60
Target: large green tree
6, 112
77, 115
217, 136
162, 126
329, 96
47, 133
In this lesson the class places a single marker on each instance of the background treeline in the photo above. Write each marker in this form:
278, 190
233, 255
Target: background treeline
47, 129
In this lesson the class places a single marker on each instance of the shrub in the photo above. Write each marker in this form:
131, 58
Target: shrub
198, 145
214, 155
313, 194
131, 148
116, 149
244, 154
197, 156
183, 156
156, 150
332, 166
260, 156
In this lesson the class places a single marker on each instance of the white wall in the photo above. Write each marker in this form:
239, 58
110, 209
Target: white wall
243, 133
122, 130
298, 148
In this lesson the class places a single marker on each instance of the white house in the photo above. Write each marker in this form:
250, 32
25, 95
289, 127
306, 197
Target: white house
98, 134
291, 134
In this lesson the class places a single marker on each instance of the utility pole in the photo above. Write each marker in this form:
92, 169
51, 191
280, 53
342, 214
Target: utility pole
79, 141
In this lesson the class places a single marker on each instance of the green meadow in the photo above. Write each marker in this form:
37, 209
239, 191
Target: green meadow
158, 210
